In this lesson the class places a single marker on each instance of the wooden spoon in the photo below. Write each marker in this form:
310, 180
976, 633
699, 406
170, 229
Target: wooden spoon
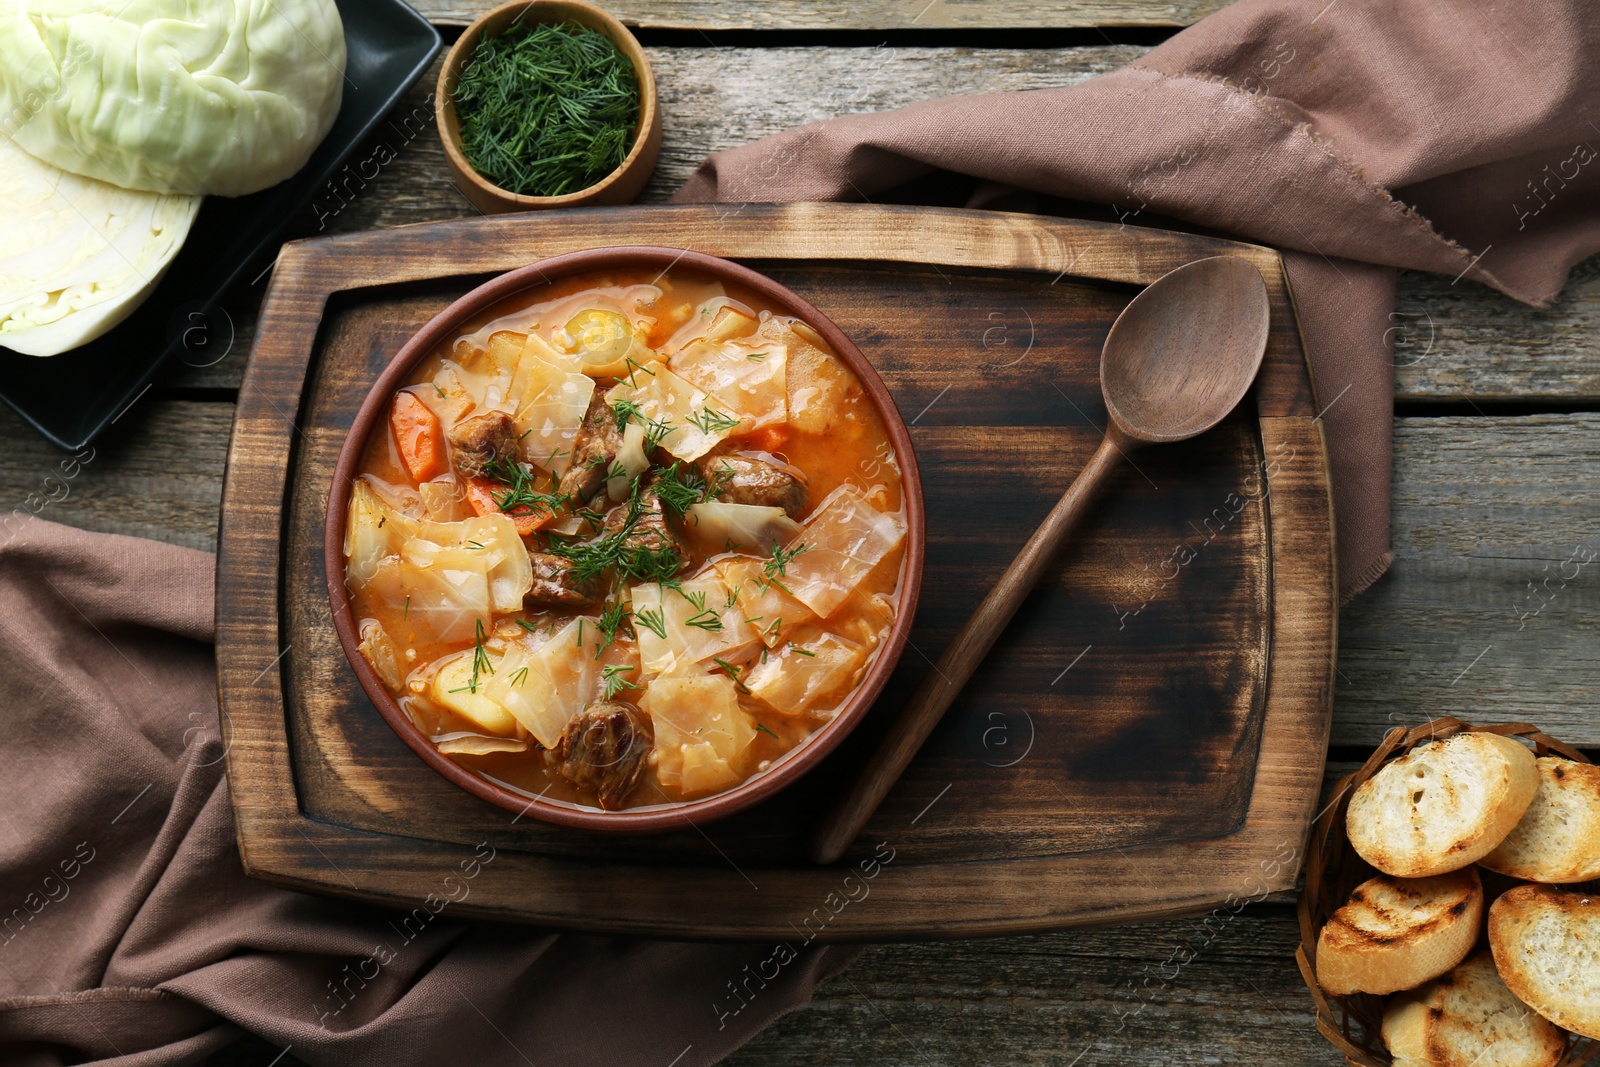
1177, 360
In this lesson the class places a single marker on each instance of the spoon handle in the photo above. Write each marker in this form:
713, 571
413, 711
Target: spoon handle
960, 658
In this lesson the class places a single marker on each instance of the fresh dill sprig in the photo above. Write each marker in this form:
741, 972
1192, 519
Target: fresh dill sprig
763, 728
480, 656
547, 109
778, 566
520, 496
710, 421
611, 620
681, 488
612, 681
654, 620
732, 672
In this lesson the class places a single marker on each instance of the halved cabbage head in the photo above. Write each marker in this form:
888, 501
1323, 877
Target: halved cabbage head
77, 255
200, 97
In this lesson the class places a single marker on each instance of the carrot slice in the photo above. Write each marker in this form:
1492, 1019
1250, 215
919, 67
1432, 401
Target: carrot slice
419, 436
768, 439
481, 496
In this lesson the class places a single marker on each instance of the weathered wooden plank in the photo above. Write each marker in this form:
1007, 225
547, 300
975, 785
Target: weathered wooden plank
1454, 341
1213, 989
157, 473
1121, 996
1461, 340
1492, 609
872, 15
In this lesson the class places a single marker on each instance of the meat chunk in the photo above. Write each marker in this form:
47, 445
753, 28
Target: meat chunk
747, 480
555, 587
651, 531
603, 750
593, 451
482, 440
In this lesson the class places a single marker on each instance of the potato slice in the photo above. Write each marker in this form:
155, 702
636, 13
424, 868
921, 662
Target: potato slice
456, 689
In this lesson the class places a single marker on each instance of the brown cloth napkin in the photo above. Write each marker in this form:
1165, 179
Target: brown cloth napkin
1358, 136
130, 935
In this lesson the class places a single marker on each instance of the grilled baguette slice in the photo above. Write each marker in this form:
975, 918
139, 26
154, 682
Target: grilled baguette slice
1396, 933
1558, 839
1546, 942
1443, 805
1468, 1018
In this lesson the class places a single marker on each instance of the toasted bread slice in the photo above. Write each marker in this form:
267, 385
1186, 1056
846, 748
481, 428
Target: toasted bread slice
1468, 1018
1396, 933
1558, 839
1546, 943
1443, 805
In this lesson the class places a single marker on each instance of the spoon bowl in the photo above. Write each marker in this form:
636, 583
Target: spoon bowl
1177, 360
1184, 352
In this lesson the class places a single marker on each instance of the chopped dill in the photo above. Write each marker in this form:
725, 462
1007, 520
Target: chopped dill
547, 109
520, 497
438, 390
654, 620
521, 676
711, 421
763, 728
611, 620
680, 488
406, 614
734, 673
528, 626
757, 356
706, 620
803, 652
612, 682
480, 656
634, 368
624, 410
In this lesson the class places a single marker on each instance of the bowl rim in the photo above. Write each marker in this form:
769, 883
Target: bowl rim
449, 75
803, 758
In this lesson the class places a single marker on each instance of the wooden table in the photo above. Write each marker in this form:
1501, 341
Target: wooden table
1497, 451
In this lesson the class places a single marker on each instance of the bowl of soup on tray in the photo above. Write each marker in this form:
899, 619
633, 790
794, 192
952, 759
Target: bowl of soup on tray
624, 539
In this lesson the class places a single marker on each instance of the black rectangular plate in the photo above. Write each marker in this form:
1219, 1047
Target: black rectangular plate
72, 397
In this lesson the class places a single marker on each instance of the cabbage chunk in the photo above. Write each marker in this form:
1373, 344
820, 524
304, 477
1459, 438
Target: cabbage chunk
489, 543
701, 732
798, 677
698, 419
692, 624
747, 374
544, 683
372, 531
549, 401
736, 527
843, 540
763, 603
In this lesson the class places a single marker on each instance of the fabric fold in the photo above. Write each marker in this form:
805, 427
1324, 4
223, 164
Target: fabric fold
130, 935
1358, 138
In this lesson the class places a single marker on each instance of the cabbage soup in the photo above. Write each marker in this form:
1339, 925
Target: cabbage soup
629, 542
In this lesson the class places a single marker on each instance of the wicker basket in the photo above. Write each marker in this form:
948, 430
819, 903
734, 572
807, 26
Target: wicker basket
1333, 869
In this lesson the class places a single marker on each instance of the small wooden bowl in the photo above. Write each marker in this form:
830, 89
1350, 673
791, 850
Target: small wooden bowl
1333, 869
372, 418
621, 186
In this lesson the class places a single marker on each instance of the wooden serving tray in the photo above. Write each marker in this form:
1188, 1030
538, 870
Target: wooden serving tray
1146, 740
